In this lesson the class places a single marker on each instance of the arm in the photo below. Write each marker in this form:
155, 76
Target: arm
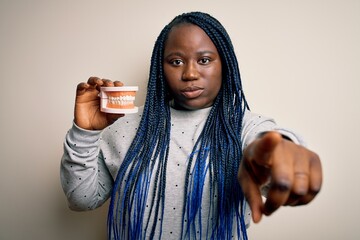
255, 125
275, 157
85, 178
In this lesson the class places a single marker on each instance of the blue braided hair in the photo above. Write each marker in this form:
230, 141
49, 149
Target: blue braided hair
217, 151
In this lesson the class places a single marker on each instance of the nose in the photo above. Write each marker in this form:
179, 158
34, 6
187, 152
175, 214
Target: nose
190, 72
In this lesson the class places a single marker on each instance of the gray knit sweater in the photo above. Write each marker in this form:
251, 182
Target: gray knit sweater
92, 159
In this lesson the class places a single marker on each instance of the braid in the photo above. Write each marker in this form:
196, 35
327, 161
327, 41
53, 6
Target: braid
222, 132
129, 195
217, 152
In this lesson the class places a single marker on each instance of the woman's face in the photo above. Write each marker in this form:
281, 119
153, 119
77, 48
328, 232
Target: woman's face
192, 67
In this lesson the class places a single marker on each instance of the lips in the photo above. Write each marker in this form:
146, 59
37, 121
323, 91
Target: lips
192, 92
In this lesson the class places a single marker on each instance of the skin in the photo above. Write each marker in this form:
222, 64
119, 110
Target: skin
193, 71
192, 67
87, 114
293, 173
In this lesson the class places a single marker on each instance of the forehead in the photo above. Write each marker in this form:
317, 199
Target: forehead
188, 35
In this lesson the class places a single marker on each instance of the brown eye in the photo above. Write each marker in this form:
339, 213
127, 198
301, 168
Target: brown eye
204, 61
176, 62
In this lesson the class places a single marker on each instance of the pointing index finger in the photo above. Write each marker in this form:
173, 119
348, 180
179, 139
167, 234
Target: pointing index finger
264, 147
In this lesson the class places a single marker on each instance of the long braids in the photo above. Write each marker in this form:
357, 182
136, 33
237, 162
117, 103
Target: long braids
222, 133
148, 150
219, 142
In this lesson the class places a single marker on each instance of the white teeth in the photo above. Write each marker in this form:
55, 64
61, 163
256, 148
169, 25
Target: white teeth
122, 100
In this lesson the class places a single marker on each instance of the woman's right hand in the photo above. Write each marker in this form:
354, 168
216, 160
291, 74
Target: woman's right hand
87, 114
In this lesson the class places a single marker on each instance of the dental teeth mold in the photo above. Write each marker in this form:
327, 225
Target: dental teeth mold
118, 99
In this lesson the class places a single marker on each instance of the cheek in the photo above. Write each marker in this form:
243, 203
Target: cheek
166, 72
216, 88
170, 82
170, 75
217, 80
173, 79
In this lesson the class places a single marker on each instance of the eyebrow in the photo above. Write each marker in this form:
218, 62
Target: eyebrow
181, 54
174, 54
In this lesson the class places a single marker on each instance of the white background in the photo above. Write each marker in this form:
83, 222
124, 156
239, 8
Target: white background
299, 61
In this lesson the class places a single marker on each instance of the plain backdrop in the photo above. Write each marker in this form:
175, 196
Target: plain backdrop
299, 62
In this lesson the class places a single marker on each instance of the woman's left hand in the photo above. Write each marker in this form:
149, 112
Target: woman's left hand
292, 172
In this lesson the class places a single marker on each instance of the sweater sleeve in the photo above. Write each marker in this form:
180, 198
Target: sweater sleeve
85, 179
254, 125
